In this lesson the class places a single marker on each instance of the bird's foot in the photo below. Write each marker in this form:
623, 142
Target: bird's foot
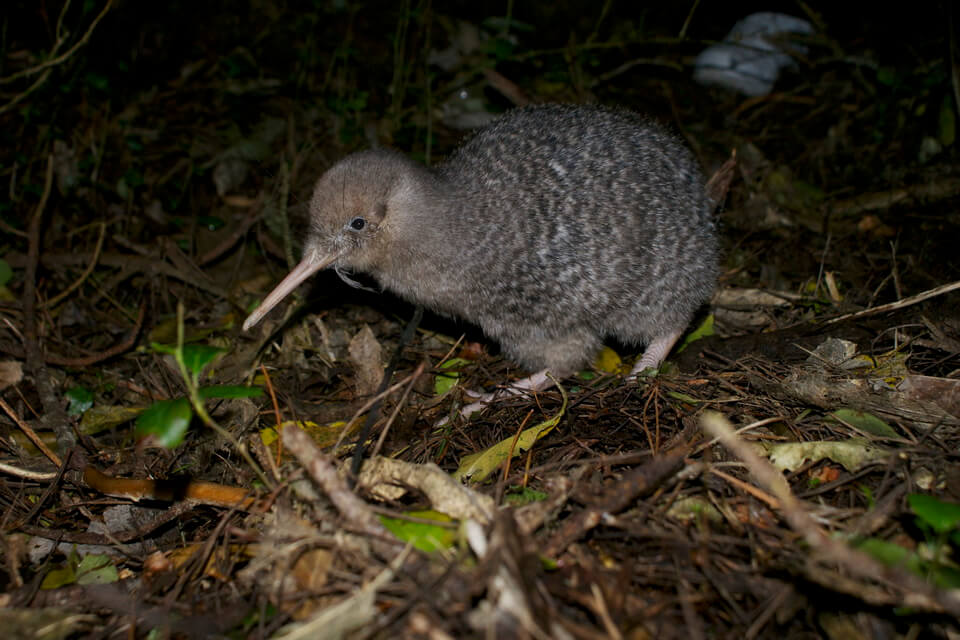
654, 354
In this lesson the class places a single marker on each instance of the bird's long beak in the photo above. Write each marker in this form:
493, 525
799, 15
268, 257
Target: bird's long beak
310, 264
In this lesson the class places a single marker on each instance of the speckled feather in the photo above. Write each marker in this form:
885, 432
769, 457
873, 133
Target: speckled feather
551, 228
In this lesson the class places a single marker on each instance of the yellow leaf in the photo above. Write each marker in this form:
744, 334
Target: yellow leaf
608, 361
324, 435
477, 466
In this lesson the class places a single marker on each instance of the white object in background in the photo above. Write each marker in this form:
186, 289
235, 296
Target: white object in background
749, 59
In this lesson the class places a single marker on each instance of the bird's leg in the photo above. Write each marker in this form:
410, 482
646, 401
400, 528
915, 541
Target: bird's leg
652, 357
536, 382
655, 353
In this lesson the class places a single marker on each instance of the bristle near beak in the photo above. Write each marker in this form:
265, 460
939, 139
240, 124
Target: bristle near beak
310, 264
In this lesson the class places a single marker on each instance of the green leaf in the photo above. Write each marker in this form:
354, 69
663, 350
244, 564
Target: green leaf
79, 400
6, 272
693, 508
946, 577
422, 535
890, 554
90, 569
705, 329
195, 356
230, 391
168, 349
519, 496
64, 575
57, 578
866, 422
683, 397
166, 421
446, 379
868, 494
101, 418
499, 48
96, 569
198, 356
893, 555
943, 517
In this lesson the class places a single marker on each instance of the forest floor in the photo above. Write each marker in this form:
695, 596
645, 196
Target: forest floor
791, 472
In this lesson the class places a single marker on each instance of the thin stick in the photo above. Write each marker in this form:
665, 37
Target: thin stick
276, 408
52, 302
367, 406
396, 411
899, 304
54, 417
30, 433
28, 474
52, 62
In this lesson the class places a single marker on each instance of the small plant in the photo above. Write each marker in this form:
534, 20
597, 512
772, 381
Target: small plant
940, 523
167, 420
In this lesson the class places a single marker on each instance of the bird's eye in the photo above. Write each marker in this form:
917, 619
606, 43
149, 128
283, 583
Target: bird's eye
358, 223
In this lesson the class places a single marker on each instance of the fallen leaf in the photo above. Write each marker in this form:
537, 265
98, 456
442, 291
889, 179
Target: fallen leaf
366, 355
477, 466
850, 454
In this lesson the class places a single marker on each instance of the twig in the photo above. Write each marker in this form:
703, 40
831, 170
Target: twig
31, 434
689, 18
502, 483
746, 487
6, 228
46, 68
277, 418
321, 469
27, 474
52, 302
639, 482
39, 82
366, 407
86, 361
899, 304
396, 411
37, 505
54, 418
256, 211
52, 62
117, 537
134, 264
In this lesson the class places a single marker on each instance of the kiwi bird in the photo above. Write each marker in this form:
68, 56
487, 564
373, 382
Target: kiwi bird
551, 228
